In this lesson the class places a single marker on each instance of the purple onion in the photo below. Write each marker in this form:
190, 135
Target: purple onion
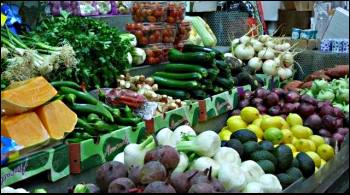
292, 97
261, 93
290, 107
262, 109
243, 103
308, 99
339, 123
314, 122
321, 104
338, 137
325, 133
280, 92
326, 110
271, 99
246, 95
274, 110
338, 113
343, 130
305, 110
257, 101
236, 112
329, 122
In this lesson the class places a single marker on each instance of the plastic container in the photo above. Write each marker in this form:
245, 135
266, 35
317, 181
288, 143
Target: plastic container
166, 48
146, 33
175, 12
179, 45
148, 11
183, 31
169, 33
154, 54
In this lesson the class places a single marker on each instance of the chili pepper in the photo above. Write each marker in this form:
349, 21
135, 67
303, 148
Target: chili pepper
128, 121
85, 126
104, 127
89, 108
93, 118
128, 112
59, 84
58, 97
70, 98
79, 94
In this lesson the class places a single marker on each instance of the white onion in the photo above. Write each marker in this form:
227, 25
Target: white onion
244, 52
285, 46
228, 55
278, 60
284, 73
234, 44
278, 47
257, 45
270, 44
244, 39
270, 67
288, 59
266, 54
264, 38
255, 63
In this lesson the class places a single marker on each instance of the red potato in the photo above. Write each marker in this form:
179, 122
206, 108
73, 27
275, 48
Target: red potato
293, 86
338, 71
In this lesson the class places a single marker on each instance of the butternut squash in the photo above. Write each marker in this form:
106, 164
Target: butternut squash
26, 129
57, 118
23, 96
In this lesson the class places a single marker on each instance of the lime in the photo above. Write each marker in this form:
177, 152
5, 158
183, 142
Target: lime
235, 124
291, 146
249, 114
300, 131
315, 157
273, 135
269, 122
287, 136
318, 140
325, 151
257, 121
257, 130
294, 119
225, 134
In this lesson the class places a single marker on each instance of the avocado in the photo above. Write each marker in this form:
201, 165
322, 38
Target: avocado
285, 180
267, 166
306, 164
284, 156
295, 163
263, 155
295, 173
250, 147
244, 135
237, 145
266, 145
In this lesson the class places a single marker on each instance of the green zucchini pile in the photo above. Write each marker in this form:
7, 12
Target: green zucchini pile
94, 116
197, 72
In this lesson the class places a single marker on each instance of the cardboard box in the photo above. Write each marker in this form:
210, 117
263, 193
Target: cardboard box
304, 5
289, 19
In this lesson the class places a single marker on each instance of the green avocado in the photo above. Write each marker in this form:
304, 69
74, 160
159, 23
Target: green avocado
244, 135
263, 155
236, 145
267, 166
306, 164
285, 180
266, 145
284, 156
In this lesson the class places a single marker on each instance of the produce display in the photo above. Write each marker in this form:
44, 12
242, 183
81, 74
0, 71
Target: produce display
323, 118
200, 34
148, 11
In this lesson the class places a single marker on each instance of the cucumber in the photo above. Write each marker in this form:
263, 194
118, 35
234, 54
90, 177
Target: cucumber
199, 94
186, 68
180, 76
196, 48
213, 73
175, 93
223, 82
171, 83
190, 57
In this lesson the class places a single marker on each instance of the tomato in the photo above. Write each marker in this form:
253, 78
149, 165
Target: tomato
152, 39
158, 13
151, 18
143, 41
166, 33
173, 13
149, 12
138, 26
138, 34
149, 53
171, 19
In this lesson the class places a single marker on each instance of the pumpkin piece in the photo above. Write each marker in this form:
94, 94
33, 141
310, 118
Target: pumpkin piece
26, 129
57, 118
23, 96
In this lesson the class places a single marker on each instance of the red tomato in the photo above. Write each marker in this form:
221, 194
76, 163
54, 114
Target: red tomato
143, 41
152, 39
170, 19
173, 13
158, 13
149, 53
151, 19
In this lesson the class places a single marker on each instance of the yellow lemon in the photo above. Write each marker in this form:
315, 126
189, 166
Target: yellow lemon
292, 147
257, 121
316, 169
270, 122
225, 134
236, 117
312, 146
235, 124
294, 140
249, 114
300, 131
284, 123
318, 140
315, 157
266, 116
309, 131
287, 136
323, 162
257, 130
294, 119
325, 151
259, 140
295, 154
304, 145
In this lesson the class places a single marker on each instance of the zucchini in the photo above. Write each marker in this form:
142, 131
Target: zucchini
171, 83
213, 73
175, 93
207, 83
183, 68
225, 83
222, 65
196, 48
199, 94
179, 76
202, 58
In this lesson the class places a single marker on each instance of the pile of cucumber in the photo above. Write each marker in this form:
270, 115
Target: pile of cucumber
195, 73
94, 116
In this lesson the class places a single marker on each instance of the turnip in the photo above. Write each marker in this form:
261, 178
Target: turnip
109, 172
270, 67
244, 51
232, 177
253, 187
255, 63
266, 54
284, 73
227, 155
270, 183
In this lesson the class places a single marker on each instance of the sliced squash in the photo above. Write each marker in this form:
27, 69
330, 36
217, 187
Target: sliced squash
23, 96
26, 129
57, 118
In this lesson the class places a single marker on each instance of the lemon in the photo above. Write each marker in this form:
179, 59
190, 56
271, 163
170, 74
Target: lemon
325, 151
323, 162
291, 146
270, 122
300, 131
225, 134
273, 135
235, 124
266, 116
287, 136
318, 140
249, 114
304, 145
284, 123
294, 140
316, 169
309, 131
257, 121
315, 157
236, 117
295, 154
257, 130
294, 119
259, 140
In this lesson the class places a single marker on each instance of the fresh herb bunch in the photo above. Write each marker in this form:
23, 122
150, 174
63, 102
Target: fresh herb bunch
101, 53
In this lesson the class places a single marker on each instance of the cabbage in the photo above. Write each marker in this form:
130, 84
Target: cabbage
129, 37
326, 95
138, 56
318, 85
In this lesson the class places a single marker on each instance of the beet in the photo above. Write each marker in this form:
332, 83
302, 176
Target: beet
121, 185
134, 174
261, 93
313, 121
181, 181
292, 97
108, 172
257, 101
308, 99
274, 110
159, 187
271, 99
306, 110
343, 130
329, 122
152, 171
247, 95
201, 188
325, 133
321, 104
243, 103
338, 137
166, 155
289, 108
